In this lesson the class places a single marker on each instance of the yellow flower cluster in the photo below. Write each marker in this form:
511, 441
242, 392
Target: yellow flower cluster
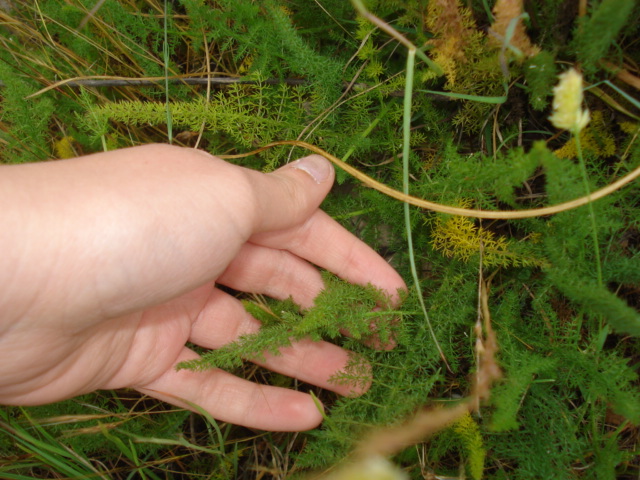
597, 140
567, 103
64, 148
459, 237
629, 127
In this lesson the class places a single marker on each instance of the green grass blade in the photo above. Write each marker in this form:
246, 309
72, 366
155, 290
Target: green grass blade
464, 96
406, 152
624, 94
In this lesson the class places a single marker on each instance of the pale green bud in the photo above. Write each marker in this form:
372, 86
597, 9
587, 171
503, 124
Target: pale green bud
567, 103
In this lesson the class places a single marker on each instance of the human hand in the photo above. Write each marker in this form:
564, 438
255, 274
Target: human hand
111, 263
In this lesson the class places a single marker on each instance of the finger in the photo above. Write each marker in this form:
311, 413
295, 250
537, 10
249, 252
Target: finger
320, 364
276, 273
234, 400
221, 320
224, 319
288, 196
324, 242
280, 274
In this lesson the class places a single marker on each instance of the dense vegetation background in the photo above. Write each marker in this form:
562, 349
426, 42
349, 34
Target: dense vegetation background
561, 292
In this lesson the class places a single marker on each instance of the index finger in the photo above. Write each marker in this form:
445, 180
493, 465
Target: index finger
324, 242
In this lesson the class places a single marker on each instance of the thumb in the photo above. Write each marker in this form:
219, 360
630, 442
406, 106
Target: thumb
290, 195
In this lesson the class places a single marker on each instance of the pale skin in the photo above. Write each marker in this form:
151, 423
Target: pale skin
110, 265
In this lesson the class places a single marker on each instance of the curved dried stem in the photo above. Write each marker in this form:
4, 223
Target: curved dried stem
438, 207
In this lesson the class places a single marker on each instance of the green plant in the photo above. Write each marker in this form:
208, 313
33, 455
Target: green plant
415, 97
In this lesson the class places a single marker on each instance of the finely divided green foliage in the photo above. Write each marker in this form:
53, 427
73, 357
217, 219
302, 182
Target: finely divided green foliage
539, 345
568, 405
540, 73
340, 308
263, 36
549, 401
596, 35
27, 135
244, 114
569, 249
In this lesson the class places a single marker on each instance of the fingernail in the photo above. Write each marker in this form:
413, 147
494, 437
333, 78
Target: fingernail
318, 167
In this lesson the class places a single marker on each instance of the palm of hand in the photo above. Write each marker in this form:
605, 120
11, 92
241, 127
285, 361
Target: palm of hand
128, 326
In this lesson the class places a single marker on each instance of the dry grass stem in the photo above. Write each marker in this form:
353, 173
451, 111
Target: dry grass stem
438, 207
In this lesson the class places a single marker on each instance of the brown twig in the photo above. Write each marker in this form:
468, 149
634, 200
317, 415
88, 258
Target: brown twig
111, 81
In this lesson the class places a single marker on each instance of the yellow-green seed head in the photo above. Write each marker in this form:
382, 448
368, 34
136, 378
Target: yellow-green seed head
567, 103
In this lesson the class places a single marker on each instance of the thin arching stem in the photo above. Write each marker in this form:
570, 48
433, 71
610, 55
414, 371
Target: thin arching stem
438, 207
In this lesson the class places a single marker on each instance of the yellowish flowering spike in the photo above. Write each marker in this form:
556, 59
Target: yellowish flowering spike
567, 103
469, 432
